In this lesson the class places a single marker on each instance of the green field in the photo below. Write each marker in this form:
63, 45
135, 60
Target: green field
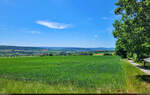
69, 74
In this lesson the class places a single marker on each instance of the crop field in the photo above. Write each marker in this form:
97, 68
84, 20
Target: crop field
69, 74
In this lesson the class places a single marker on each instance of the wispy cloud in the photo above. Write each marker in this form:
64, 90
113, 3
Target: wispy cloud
7, 2
4, 1
112, 11
105, 18
53, 25
110, 29
32, 31
112, 18
35, 32
89, 18
95, 36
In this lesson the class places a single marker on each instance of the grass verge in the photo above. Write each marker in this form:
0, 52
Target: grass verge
137, 81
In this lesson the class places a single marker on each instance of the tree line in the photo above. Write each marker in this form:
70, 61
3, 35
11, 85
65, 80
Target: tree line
132, 30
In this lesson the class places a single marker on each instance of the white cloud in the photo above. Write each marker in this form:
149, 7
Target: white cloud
53, 25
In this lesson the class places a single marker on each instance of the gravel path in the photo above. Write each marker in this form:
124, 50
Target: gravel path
142, 68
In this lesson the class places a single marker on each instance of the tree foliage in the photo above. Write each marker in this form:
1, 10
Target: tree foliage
133, 29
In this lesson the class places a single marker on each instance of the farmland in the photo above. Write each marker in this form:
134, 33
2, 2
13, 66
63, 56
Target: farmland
67, 74
12, 51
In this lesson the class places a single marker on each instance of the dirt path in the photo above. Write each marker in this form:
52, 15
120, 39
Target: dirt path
142, 68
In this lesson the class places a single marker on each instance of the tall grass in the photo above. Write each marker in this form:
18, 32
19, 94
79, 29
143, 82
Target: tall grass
133, 76
68, 74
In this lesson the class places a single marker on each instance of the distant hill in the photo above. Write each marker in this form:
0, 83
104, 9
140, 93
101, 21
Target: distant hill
2, 47
79, 49
34, 51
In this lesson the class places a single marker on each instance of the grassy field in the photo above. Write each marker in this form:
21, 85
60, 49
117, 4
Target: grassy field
70, 74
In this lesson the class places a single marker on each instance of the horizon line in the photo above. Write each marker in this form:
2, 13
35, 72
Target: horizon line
55, 46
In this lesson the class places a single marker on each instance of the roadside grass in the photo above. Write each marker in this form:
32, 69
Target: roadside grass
70, 74
134, 79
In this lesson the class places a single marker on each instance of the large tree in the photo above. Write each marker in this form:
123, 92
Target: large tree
133, 29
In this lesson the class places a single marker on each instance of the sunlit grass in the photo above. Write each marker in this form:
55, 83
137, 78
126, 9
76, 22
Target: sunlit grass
69, 74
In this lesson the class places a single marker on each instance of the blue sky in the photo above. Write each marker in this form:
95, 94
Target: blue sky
57, 23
